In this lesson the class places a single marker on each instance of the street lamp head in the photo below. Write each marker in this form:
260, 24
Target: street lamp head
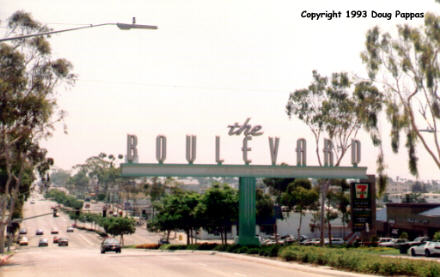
124, 26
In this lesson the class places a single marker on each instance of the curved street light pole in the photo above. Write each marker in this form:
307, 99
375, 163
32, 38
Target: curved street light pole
122, 26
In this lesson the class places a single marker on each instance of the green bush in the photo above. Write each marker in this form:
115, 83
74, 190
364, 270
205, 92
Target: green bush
363, 259
360, 261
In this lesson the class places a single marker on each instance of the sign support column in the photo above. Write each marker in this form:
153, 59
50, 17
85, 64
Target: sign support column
247, 211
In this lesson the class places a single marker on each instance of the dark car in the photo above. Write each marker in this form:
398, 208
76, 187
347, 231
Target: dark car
39, 232
63, 242
110, 244
43, 242
23, 231
163, 241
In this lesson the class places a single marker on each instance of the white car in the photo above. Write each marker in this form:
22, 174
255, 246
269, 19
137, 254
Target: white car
388, 243
428, 248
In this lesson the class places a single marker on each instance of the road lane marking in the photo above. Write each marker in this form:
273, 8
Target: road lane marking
239, 274
84, 238
202, 264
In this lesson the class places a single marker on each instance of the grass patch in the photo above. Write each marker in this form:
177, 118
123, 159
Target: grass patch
361, 260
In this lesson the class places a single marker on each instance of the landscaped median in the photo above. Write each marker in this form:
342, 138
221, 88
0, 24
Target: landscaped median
364, 260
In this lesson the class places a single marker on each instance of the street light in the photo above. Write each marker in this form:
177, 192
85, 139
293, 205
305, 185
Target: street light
122, 26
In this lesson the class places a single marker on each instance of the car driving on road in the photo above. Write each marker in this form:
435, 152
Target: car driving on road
63, 242
69, 229
54, 231
110, 244
23, 241
428, 248
39, 232
43, 242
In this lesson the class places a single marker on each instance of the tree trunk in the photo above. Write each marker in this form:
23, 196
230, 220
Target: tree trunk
221, 236
122, 239
329, 233
168, 234
187, 237
2, 237
226, 235
299, 226
343, 225
324, 188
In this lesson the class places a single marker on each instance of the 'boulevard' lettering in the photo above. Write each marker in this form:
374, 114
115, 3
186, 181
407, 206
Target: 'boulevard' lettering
274, 143
248, 131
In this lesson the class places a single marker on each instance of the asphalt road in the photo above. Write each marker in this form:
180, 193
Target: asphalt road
83, 258
54, 262
77, 239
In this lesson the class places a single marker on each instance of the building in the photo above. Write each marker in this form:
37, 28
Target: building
416, 219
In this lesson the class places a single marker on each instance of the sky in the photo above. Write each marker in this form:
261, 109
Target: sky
209, 64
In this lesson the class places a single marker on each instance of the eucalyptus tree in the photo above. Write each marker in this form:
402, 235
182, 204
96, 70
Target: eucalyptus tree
104, 169
405, 68
327, 106
29, 77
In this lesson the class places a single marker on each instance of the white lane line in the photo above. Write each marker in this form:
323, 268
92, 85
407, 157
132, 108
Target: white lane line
84, 238
202, 264
239, 274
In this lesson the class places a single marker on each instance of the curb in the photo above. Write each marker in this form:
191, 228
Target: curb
309, 268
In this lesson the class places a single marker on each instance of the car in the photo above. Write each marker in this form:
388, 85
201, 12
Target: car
163, 241
418, 241
428, 249
388, 243
23, 231
39, 232
70, 229
338, 241
43, 242
110, 244
54, 231
288, 238
56, 239
32, 202
313, 241
63, 242
24, 241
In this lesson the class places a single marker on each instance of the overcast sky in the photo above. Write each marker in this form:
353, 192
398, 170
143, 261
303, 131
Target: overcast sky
210, 64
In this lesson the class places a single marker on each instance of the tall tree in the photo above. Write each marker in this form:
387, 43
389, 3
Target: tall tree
119, 226
219, 209
28, 79
104, 169
407, 70
277, 186
59, 177
327, 106
300, 197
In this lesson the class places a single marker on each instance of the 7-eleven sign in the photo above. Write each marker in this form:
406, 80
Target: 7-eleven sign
361, 191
